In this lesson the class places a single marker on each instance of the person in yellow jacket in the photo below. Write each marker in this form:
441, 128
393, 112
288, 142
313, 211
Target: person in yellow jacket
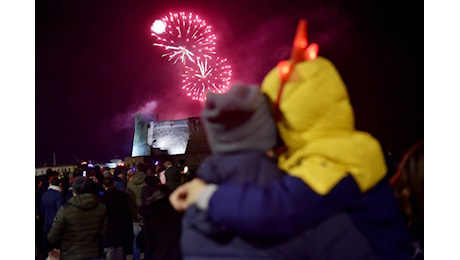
331, 167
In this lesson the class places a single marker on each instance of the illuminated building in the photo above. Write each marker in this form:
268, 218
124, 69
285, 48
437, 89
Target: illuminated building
172, 139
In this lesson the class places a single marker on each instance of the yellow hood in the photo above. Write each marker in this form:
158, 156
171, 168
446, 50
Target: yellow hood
317, 126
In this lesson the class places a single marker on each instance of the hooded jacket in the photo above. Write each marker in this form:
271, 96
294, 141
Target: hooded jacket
133, 191
331, 168
78, 227
317, 127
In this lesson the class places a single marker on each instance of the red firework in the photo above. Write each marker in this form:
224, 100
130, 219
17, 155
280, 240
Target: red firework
208, 74
184, 37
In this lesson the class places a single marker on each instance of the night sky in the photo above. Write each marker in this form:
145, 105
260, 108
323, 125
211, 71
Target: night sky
96, 66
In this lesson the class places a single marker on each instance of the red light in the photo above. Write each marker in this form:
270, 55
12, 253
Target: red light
300, 42
300, 52
300, 39
312, 51
284, 69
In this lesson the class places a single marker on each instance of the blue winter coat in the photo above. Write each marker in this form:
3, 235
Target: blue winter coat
119, 184
51, 201
204, 239
375, 213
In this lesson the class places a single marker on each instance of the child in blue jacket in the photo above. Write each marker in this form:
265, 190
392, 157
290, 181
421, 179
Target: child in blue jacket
241, 155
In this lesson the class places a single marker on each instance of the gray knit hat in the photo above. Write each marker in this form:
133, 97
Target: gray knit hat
81, 185
239, 120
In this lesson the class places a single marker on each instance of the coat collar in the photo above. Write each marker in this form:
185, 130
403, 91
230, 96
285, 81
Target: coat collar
54, 187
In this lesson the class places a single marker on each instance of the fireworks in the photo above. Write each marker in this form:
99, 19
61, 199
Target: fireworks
188, 41
184, 38
158, 27
206, 75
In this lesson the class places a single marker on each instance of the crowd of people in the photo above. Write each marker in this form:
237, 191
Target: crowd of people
103, 213
109, 214
289, 178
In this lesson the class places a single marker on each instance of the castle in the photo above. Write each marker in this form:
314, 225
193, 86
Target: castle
156, 140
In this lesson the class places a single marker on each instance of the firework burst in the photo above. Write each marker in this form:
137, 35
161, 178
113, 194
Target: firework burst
184, 37
206, 75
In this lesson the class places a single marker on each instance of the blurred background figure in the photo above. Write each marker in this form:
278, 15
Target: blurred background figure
160, 172
106, 172
172, 174
51, 201
41, 185
130, 174
162, 224
408, 185
119, 236
133, 191
119, 178
186, 171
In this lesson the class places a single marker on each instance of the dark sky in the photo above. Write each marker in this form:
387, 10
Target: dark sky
95, 65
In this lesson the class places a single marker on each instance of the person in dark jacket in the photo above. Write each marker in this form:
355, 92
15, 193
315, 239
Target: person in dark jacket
162, 224
65, 184
120, 230
119, 178
51, 201
172, 175
408, 185
40, 189
331, 167
79, 224
240, 154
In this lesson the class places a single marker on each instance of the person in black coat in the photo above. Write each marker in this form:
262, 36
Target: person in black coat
119, 237
119, 178
172, 174
162, 224
408, 183
41, 185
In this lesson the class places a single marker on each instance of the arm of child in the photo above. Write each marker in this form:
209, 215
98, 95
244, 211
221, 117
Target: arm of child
282, 209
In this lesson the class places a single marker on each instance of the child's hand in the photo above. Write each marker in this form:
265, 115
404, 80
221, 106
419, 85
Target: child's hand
195, 187
178, 197
186, 194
